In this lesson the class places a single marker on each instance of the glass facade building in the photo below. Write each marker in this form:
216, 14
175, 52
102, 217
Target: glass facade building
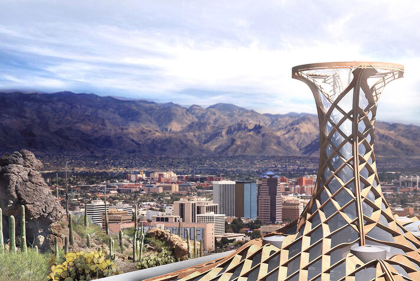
246, 199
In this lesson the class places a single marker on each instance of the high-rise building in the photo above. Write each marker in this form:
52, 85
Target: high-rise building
217, 219
188, 208
94, 211
224, 196
269, 198
246, 199
204, 207
291, 210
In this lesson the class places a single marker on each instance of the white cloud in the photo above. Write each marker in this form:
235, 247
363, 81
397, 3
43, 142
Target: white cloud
238, 51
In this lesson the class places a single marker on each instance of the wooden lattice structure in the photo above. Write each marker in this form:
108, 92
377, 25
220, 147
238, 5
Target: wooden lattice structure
347, 209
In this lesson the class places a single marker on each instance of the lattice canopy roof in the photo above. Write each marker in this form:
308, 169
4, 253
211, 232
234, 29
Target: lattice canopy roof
347, 212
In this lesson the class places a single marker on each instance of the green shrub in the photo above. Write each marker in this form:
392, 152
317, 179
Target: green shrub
24, 266
94, 230
159, 245
83, 266
164, 257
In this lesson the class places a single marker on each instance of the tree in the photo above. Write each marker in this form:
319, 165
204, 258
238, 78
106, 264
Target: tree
255, 234
224, 241
255, 224
236, 225
228, 228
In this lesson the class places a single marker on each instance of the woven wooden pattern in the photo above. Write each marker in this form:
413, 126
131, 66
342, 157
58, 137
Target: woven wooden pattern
347, 208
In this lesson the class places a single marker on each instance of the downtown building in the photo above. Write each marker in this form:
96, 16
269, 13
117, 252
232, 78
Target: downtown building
94, 211
269, 199
217, 219
246, 199
188, 208
236, 199
291, 210
224, 196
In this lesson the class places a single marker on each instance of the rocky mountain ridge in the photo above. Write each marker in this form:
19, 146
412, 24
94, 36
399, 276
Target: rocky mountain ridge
89, 124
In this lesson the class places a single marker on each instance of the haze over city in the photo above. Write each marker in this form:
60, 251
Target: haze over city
201, 52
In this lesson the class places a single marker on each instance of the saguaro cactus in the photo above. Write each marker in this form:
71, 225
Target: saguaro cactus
86, 216
136, 220
120, 240
12, 234
134, 248
141, 247
195, 241
180, 228
188, 243
23, 230
57, 256
71, 229
138, 249
88, 241
201, 247
67, 194
24, 248
106, 214
1, 232
111, 248
66, 245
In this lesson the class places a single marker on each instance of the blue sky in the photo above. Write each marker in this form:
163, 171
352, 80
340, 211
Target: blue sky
206, 52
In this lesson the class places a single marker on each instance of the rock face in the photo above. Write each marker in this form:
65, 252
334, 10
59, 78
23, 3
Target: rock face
22, 184
174, 242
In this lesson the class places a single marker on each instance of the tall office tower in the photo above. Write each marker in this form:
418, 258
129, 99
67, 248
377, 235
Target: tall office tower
246, 199
269, 198
188, 209
347, 231
95, 210
224, 196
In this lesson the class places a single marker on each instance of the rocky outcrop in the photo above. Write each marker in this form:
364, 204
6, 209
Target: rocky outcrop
174, 242
21, 184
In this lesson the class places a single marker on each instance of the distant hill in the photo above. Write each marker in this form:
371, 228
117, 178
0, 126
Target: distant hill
89, 124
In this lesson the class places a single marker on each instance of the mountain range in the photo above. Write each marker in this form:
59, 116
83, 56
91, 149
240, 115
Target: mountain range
89, 124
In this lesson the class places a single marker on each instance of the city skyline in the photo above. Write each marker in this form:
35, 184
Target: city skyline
205, 53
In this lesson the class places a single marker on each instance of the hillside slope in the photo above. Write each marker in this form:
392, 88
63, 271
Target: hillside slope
90, 124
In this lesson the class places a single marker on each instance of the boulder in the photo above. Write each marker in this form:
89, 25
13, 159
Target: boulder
21, 184
173, 241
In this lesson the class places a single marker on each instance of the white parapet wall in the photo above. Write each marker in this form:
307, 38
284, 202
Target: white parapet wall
164, 269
